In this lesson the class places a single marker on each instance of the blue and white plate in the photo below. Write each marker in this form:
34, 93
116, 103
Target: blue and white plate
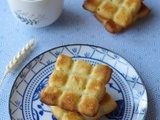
125, 86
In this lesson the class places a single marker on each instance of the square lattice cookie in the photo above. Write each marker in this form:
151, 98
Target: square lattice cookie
116, 14
107, 105
76, 86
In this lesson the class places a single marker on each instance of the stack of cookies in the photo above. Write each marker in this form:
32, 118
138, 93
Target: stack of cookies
76, 90
116, 14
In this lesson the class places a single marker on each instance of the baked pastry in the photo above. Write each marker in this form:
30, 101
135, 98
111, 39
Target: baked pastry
107, 105
112, 27
116, 14
76, 86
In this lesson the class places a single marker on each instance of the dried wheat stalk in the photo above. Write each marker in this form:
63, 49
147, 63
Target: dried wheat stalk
16, 60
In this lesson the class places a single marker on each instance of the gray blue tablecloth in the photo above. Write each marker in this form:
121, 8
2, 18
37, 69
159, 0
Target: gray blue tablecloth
139, 44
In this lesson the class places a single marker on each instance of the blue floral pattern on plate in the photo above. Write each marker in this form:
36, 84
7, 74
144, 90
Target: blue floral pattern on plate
125, 86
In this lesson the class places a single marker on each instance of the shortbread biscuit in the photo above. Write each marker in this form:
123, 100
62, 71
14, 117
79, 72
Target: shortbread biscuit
120, 11
107, 105
76, 86
112, 27
116, 14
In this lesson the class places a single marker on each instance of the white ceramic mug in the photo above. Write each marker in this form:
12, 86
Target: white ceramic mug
36, 13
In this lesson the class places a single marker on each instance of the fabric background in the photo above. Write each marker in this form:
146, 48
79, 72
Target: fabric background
139, 44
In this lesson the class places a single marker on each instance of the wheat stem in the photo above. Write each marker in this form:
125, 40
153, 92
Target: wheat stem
17, 59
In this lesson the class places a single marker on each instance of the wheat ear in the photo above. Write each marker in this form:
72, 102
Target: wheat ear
16, 60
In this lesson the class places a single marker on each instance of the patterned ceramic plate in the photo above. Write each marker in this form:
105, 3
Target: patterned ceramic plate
125, 86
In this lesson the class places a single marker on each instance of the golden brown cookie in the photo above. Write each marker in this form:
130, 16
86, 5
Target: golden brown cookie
76, 86
107, 105
112, 27
116, 14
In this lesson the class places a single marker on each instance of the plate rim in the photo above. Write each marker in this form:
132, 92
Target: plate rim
60, 46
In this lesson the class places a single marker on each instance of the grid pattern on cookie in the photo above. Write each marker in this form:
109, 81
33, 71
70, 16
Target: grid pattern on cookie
107, 105
120, 11
76, 86
114, 28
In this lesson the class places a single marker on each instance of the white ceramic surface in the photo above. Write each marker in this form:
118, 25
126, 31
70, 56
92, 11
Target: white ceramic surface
36, 13
125, 86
